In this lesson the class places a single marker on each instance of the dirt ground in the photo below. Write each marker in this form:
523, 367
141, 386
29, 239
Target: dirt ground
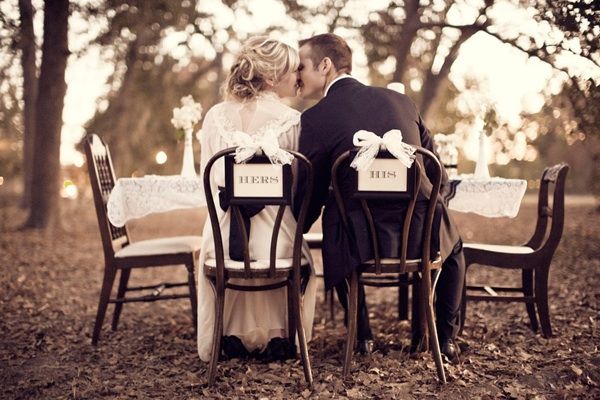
49, 287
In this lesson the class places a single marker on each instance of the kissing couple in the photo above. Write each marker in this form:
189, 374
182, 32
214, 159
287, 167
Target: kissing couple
265, 71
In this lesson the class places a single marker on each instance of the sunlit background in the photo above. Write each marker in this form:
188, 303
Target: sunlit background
186, 47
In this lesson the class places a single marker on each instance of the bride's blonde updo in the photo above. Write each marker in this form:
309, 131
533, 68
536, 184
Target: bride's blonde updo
260, 60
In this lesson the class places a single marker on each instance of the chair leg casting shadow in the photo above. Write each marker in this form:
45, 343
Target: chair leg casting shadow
120, 253
385, 272
533, 258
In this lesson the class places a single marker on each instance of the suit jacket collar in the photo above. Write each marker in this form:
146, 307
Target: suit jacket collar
349, 80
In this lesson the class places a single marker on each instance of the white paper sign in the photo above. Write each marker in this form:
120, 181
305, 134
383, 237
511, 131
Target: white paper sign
257, 180
384, 175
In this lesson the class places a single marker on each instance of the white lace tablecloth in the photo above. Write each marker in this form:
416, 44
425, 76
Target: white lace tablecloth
491, 197
138, 197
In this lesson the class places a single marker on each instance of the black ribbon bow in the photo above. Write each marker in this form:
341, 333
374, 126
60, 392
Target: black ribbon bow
236, 245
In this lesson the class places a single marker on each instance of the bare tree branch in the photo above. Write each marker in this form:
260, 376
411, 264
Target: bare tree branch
529, 52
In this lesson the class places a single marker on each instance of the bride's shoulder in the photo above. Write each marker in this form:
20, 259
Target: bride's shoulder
216, 116
289, 114
286, 119
216, 108
292, 112
285, 112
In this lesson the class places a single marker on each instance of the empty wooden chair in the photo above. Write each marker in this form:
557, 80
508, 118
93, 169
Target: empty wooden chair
288, 273
120, 253
533, 258
389, 272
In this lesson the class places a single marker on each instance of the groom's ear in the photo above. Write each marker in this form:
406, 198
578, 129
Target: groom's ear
326, 65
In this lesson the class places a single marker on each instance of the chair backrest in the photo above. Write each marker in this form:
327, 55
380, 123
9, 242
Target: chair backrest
546, 237
368, 206
283, 201
102, 179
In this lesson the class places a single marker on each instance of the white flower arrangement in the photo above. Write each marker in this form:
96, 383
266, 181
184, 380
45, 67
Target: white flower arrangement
188, 115
446, 148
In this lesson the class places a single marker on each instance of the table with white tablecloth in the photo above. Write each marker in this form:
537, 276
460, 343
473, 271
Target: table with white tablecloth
490, 197
137, 197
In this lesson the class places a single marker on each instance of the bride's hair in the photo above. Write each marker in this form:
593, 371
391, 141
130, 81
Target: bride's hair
260, 60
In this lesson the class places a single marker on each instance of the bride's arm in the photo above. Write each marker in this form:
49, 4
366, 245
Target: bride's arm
208, 146
207, 139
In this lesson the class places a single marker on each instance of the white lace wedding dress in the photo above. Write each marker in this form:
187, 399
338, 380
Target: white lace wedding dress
254, 317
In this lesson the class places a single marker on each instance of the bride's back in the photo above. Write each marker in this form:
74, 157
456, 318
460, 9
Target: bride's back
263, 114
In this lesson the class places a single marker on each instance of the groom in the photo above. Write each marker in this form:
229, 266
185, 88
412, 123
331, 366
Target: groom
346, 106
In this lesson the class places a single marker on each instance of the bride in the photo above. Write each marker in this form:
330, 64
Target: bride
253, 322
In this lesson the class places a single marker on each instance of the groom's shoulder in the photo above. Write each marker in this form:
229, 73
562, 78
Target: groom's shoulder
315, 111
390, 97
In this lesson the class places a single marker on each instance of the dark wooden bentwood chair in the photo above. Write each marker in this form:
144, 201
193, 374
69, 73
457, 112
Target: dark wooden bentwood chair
120, 253
315, 241
533, 258
284, 272
390, 272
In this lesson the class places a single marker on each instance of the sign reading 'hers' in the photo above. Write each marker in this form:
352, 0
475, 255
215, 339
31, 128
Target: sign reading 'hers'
257, 180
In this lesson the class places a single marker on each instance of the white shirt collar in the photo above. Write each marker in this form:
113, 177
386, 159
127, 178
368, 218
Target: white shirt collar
334, 81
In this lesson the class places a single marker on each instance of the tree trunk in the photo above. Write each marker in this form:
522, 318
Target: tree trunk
405, 39
434, 81
48, 116
27, 46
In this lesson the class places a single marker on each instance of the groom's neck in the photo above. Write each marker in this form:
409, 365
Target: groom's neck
330, 78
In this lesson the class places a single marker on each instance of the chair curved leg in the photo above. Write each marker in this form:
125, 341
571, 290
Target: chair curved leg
193, 294
463, 306
352, 321
527, 278
427, 295
123, 280
297, 312
433, 339
420, 340
107, 283
217, 334
541, 299
403, 298
291, 314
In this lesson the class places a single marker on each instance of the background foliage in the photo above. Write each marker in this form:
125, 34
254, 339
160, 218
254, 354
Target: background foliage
160, 50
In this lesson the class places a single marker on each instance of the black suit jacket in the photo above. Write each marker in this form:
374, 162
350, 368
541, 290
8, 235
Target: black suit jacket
327, 130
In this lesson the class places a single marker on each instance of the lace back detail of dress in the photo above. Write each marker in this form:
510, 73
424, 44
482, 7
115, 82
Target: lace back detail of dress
277, 119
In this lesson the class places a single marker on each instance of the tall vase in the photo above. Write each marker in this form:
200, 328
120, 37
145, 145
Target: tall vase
188, 170
481, 168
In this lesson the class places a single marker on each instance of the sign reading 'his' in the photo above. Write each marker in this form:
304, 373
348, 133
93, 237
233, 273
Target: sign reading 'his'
387, 177
384, 175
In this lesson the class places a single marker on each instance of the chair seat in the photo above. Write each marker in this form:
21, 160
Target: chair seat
498, 248
314, 239
390, 265
168, 245
281, 264
389, 261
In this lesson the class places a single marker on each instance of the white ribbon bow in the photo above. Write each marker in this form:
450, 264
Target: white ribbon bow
247, 146
370, 144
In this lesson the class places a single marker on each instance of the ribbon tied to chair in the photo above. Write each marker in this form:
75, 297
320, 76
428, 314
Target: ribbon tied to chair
248, 147
370, 144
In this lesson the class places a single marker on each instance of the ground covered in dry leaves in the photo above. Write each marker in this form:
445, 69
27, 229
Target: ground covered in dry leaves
49, 286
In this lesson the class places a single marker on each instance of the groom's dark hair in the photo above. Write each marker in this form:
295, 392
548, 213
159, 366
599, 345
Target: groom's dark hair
331, 46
